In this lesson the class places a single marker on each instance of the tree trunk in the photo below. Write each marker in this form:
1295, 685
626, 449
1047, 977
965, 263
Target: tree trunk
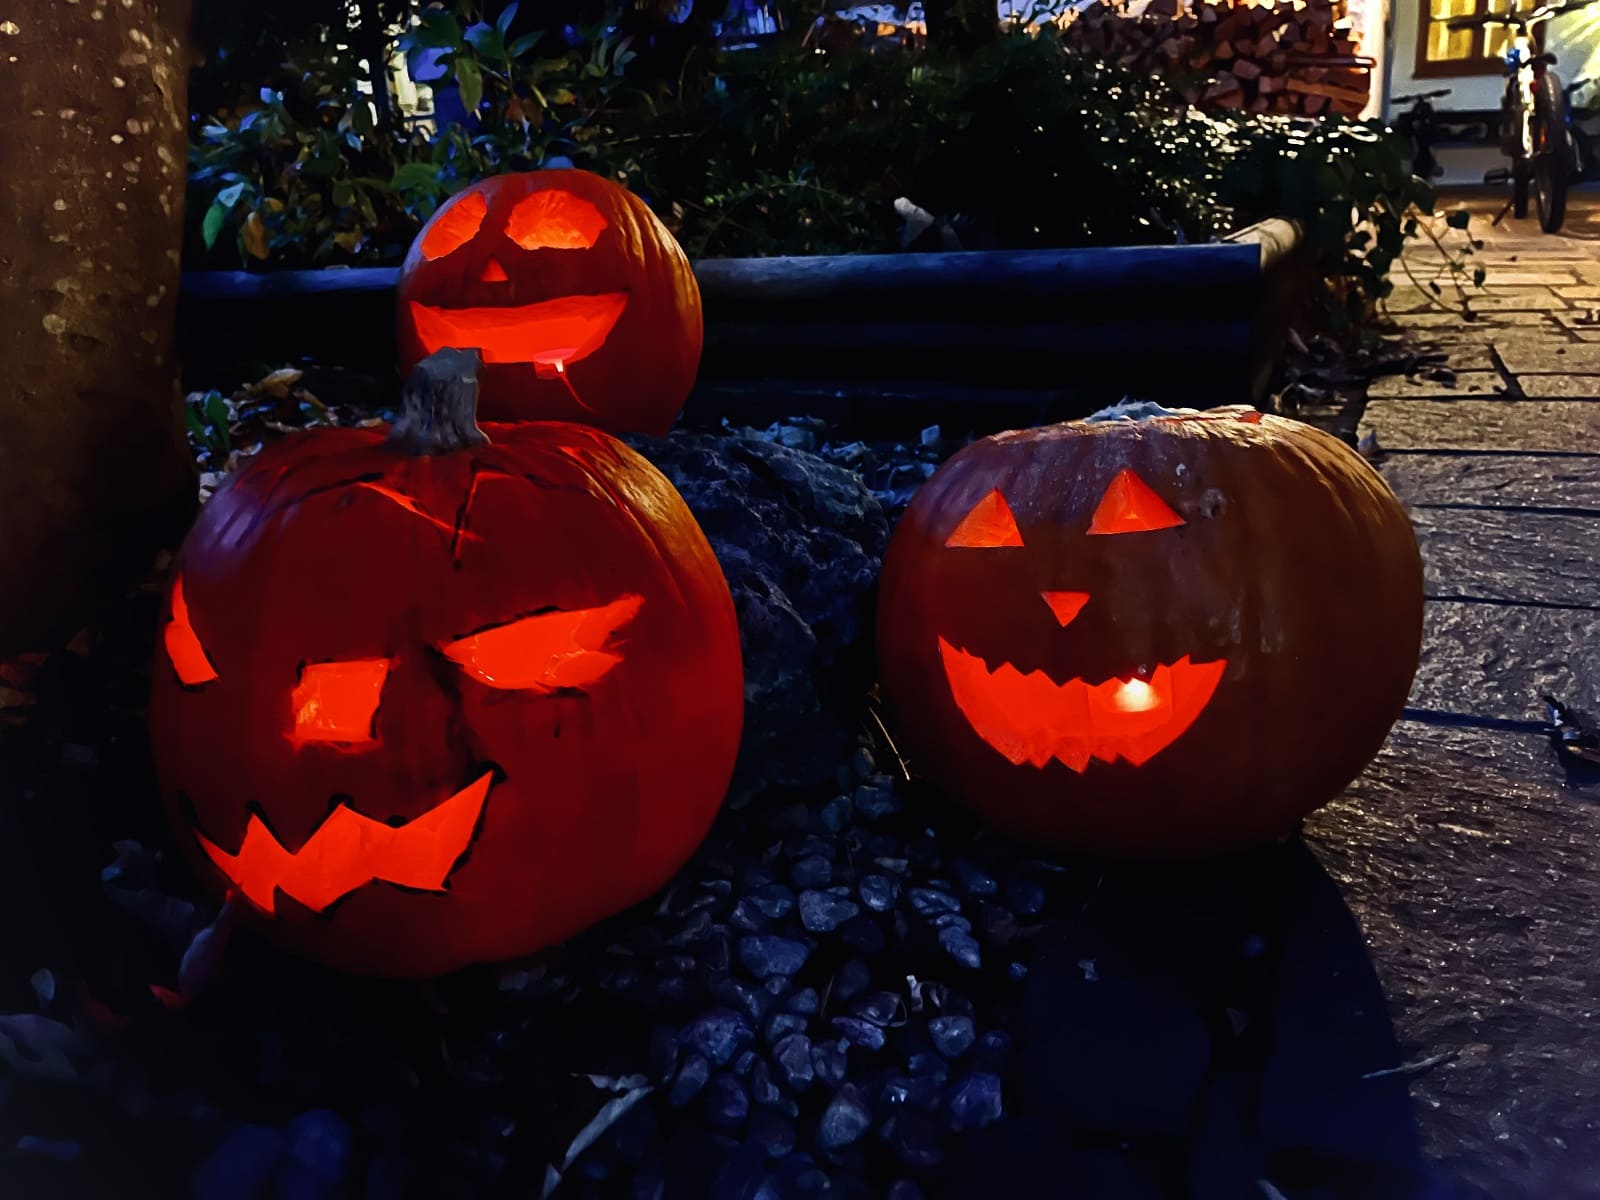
94, 470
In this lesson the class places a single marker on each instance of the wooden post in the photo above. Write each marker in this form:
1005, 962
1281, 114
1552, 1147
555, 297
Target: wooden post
94, 470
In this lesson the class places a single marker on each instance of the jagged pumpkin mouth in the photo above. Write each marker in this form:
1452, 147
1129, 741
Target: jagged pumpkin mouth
1030, 718
551, 335
349, 851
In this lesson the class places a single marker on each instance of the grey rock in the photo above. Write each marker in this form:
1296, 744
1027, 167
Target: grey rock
801, 543
773, 900
829, 1061
812, 871
718, 1034
822, 913
975, 1102
962, 947
878, 892
952, 1036
845, 1120
772, 1131
880, 1008
727, 1103
764, 955
793, 1057
860, 1033
693, 1075
782, 1024
931, 902
973, 881
805, 1000
876, 798
853, 978
1025, 897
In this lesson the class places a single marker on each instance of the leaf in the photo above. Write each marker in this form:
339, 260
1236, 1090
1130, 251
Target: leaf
253, 236
523, 44
414, 177
229, 196
211, 226
507, 15
470, 78
486, 40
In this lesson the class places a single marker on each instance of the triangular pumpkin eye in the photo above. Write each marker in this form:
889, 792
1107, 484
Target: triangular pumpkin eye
990, 523
1130, 506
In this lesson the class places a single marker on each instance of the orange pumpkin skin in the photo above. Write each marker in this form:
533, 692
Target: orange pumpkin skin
449, 709
615, 340
1178, 635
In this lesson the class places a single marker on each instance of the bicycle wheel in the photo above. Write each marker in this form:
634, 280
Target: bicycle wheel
1552, 156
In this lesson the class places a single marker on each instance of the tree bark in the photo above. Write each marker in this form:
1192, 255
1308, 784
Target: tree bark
94, 469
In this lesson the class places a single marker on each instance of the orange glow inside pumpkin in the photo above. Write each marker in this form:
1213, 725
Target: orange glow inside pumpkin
546, 652
554, 219
989, 524
1130, 505
456, 225
1029, 718
187, 655
1066, 605
554, 333
493, 272
337, 701
349, 850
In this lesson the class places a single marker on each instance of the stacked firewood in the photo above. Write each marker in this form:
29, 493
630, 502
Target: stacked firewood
1295, 57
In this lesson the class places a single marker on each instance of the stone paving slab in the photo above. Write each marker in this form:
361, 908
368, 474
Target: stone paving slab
1466, 385
1573, 359
1505, 480
1495, 661
1556, 426
1513, 555
1567, 387
1436, 320
1476, 886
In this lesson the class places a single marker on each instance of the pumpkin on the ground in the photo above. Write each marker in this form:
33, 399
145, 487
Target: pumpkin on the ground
429, 699
1161, 632
581, 302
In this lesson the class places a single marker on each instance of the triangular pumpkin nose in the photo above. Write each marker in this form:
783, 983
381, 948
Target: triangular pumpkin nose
1066, 605
493, 272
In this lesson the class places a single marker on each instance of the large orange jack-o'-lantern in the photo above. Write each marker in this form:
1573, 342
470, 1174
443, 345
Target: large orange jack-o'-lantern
434, 699
581, 302
1161, 632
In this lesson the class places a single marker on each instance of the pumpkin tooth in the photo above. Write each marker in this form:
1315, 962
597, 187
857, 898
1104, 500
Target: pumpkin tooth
1029, 718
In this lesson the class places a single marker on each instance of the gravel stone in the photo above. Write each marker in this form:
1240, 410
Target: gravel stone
718, 1034
693, 1075
764, 955
845, 1120
822, 913
962, 947
794, 1058
975, 1102
812, 871
878, 892
952, 1036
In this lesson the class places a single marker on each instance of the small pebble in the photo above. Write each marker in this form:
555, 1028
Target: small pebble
962, 947
822, 913
793, 1056
975, 1102
845, 1119
860, 1033
718, 1034
878, 892
693, 1074
727, 1103
829, 1062
764, 955
952, 1036
812, 871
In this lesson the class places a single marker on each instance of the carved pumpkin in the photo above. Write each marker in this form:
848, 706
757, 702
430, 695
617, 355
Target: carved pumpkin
1173, 633
582, 304
435, 700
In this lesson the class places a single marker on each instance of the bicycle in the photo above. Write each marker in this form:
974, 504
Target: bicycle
1535, 129
1419, 122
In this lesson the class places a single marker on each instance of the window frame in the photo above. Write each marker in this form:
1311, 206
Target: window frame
1460, 68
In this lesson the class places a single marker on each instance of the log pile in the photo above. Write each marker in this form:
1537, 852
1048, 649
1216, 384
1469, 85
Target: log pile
1294, 57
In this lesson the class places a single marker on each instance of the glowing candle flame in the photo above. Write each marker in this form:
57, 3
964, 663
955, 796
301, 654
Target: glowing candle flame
1135, 696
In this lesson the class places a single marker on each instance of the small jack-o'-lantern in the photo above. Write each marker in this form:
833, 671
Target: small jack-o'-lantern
580, 301
1161, 632
437, 699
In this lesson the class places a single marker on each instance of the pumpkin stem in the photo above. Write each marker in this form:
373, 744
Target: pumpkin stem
439, 405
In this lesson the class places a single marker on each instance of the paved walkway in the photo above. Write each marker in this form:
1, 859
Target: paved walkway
1470, 859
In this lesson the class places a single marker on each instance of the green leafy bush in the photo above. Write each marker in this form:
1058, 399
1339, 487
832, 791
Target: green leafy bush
782, 151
